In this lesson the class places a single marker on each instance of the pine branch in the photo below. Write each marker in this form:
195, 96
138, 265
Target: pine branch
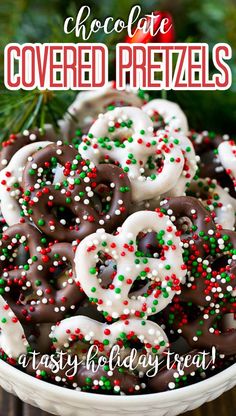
22, 110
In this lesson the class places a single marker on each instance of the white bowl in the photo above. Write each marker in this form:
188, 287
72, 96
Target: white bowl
64, 402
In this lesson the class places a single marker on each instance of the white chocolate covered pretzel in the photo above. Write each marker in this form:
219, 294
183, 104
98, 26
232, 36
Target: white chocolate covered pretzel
89, 104
125, 136
216, 199
160, 276
12, 336
168, 113
11, 180
227, 157
149, 333
190, 162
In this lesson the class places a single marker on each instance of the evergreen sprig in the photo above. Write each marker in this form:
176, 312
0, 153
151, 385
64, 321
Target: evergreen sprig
23, 110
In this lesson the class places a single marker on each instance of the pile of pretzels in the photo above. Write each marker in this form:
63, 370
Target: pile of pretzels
118, 230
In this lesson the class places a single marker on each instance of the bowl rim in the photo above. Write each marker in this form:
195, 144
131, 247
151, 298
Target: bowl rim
76, 396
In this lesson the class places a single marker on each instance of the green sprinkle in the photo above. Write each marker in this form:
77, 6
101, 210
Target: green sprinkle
41, 222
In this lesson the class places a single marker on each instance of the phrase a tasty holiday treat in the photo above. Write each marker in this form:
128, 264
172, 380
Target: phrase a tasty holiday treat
120, 243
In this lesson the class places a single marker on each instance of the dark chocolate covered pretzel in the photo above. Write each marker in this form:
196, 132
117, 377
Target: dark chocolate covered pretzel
83, 198
17, 141
40, 289
208, 295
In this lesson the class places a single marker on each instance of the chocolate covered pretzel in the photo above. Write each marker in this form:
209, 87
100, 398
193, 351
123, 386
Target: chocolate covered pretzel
159, 277
206, 141
214, 163
99, 380
16, 141
42, 288
172, 377
89, 104
68, 198
192, 220
125, 136
11, 183
12, 336
208, 295
227, 157
216, 200
166, 113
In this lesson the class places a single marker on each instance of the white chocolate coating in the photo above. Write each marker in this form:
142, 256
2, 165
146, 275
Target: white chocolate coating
12, 336
115, 300
190, 165
225, 214
227, 157
147, 332
171, 112
89, 104
141, 147
9, 195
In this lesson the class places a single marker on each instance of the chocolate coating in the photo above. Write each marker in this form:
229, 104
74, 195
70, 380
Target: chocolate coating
85, 378
206, 145
210, 167
82, 201
35, 296
190, 209
86, 308
214, 298
17, 141
205, 141
161, 381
